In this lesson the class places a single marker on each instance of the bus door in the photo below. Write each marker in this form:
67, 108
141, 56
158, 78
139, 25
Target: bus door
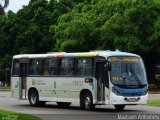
23, 77
101, 77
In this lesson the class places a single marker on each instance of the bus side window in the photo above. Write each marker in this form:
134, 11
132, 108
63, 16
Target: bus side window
85, 66
53, 66
50, 67
64, 66
35, 67
67, 66
16, 68
46, 67
80, 66
72, 68
88, 66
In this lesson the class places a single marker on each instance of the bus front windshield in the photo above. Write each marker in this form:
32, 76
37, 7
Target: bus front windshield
128, 71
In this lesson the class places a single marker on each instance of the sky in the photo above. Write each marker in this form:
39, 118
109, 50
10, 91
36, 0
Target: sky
15, 5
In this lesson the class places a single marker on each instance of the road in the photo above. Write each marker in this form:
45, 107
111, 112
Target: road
52, 112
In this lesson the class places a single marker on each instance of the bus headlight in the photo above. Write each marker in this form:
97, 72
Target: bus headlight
115, 91
146, 91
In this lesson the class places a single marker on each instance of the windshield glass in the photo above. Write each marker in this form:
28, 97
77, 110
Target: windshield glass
127, 71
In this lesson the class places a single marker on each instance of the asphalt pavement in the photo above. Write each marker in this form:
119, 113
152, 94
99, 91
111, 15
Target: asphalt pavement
154, 96
52, 112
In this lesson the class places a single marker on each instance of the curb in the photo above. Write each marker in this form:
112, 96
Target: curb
4, 89
153, 92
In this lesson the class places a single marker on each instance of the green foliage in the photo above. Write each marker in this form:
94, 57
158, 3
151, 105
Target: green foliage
16, 115
157, 1
80, 25
63, 25
129, 27
76, 27
155, 37
113, 24
29, 30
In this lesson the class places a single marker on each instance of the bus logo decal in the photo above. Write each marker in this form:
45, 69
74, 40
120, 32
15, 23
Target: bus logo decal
77, 83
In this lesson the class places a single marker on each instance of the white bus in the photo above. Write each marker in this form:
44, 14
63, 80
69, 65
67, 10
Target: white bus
88, 78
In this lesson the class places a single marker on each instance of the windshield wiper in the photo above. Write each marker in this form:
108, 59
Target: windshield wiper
125, 75
135, 76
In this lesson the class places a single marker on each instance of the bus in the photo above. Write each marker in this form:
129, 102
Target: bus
87, 78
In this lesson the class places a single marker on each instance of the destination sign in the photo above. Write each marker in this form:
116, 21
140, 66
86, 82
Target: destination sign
124, 59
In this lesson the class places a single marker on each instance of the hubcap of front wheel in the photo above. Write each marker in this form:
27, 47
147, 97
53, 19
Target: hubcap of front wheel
87, 102
33, 98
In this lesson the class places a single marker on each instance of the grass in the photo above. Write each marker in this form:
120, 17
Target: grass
155, 102
157, 1
9, 115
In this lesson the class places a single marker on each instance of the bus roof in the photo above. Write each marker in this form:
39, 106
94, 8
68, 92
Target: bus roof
78, 54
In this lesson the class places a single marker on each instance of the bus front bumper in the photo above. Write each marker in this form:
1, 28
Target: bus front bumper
129, 100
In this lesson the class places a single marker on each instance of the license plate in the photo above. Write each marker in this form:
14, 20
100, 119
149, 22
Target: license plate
132, 99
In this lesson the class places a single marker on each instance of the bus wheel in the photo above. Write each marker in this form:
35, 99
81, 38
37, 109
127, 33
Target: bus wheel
63, 104
88, 102
119, 107
33, 98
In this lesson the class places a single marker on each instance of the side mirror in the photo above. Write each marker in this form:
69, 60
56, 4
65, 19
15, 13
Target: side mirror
109, 66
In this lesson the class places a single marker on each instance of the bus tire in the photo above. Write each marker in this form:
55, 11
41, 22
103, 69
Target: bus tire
63, 104
88, 102
82, 102
34, 98
119, 107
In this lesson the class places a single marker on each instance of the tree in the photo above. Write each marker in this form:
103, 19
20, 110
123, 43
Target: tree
131, 28
80, 25
112, 24
75, 30
3, 7
127, 25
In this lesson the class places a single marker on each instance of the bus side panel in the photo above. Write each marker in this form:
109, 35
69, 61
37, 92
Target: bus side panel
69, 88
62, 89
15, 87
45, 87
66, 90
